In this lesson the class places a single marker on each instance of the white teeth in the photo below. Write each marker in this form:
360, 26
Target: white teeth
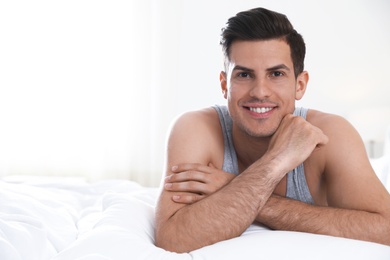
260, 110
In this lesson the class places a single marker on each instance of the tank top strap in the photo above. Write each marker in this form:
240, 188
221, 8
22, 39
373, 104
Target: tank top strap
230, 163
301, 111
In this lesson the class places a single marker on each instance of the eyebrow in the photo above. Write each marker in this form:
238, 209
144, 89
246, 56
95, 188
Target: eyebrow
277, 67
238, 67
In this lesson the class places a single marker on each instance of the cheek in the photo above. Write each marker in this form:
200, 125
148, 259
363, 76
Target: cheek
235, 91
288, 93
233, 94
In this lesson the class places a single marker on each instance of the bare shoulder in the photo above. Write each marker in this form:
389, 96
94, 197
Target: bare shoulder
203, 119
341, 132
348, 174
195, 137
344, 139
196, 125
329, 123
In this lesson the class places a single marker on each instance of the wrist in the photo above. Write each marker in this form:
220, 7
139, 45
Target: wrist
275, 165
283, 163
269, 168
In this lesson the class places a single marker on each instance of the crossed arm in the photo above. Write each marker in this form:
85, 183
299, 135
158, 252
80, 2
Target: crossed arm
201, 205
219, 216
286, 214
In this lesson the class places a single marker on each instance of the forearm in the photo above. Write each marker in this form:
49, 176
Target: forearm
223, 215
286, 214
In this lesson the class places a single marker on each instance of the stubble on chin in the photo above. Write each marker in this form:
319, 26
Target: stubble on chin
259, 131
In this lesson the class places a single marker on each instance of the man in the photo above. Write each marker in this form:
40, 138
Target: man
260, 159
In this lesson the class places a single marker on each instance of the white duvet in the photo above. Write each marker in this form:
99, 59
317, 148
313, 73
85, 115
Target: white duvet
74, 220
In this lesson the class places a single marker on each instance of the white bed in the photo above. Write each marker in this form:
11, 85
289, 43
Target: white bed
43, 218
71, 219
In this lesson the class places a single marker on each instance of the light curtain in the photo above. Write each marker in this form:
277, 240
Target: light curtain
80, 90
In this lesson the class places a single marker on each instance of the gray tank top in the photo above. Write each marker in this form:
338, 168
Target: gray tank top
296, 181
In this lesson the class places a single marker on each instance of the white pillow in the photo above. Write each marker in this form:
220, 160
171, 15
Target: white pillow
125, 230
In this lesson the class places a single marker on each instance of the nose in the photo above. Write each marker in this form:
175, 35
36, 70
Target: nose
260, 89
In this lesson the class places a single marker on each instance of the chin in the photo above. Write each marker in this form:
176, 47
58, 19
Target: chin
260, 133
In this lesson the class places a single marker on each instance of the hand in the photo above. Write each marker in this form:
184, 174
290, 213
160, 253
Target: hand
294, 141
195, 181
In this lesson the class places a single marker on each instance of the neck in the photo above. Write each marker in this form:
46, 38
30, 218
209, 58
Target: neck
248, 149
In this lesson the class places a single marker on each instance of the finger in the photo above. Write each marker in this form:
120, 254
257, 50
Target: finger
186, 176
323, 140
184, 167
190, 167
187, 198
189, 186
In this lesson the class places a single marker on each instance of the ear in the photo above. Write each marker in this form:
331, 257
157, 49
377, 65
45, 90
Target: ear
301, 84
223, 81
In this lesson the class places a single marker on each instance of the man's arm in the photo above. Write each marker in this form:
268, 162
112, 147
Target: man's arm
286, 214
230, 210
359, 204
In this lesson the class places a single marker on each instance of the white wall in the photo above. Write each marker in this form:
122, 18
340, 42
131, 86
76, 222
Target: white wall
89, 88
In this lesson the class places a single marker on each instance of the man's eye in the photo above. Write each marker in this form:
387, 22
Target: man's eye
244, 75
277, 74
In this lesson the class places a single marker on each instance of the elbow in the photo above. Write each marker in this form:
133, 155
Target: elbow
169, 247
166, 241
171, 235
162, 242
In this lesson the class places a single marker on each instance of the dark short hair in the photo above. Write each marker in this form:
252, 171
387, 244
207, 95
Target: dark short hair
263, 24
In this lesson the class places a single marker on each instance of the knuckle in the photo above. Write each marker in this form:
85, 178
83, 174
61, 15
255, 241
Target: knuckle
191, 175
171, 178
196, 198
188, 186
193, 198
192, 185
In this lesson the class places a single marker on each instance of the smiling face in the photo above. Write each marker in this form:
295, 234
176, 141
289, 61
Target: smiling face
260, 85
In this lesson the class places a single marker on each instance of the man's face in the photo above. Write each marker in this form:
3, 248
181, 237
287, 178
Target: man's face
260, 85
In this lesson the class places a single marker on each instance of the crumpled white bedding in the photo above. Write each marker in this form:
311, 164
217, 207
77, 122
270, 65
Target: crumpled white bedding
67, 219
